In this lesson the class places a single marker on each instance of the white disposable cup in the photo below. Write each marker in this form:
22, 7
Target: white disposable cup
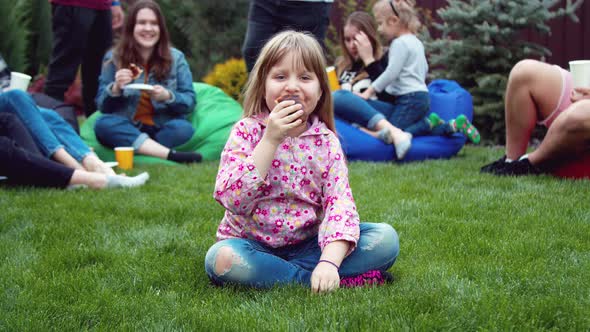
19, 81
580, 70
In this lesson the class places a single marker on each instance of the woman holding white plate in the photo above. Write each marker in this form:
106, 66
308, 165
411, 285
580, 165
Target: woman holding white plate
145, 90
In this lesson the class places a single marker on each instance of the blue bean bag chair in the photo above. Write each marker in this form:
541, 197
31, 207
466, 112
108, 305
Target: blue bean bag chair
447, 98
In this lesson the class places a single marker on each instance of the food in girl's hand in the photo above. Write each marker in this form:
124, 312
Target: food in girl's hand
135, 70
288, 97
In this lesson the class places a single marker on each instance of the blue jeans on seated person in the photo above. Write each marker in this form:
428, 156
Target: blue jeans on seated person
260, 266
49, 130
114, 130
407, 112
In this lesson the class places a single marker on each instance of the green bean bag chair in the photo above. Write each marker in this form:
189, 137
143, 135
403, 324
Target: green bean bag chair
213, 118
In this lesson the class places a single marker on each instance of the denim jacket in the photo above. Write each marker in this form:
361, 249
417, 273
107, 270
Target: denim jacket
179, 83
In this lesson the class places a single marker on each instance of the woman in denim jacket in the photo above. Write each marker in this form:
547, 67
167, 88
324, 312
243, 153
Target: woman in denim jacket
150, 117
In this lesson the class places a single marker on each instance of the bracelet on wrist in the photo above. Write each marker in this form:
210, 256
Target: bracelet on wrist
331, 263
115, 3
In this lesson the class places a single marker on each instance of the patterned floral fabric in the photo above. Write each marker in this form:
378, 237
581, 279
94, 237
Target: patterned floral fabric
305, 193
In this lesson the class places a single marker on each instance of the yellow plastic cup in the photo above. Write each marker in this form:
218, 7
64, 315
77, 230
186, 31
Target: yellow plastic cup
124, 156
332, 78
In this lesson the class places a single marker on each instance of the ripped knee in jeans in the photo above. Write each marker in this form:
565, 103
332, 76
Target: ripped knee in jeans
225, 259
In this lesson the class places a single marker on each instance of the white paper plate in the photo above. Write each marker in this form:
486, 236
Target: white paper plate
111, 164
139, 86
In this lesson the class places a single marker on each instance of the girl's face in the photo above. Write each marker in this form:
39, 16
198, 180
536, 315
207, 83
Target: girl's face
147, 31
388, 26
284, 79
350, 32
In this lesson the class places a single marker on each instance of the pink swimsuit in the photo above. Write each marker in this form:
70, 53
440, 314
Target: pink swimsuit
564, 100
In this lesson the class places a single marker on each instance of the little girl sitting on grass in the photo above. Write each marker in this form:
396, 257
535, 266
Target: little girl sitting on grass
290, 215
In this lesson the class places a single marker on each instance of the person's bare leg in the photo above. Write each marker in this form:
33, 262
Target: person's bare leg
532, 93
396, 133
374, 134
90, 179
101, 181
93, 164
63, 157
568, 135
153, 148
401, 140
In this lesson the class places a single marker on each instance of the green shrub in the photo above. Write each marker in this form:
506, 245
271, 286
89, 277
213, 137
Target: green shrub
13, 43
37, 20
208, 31
229, 76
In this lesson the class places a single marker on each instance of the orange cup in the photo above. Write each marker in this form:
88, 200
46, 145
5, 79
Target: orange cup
124, 156
332, 78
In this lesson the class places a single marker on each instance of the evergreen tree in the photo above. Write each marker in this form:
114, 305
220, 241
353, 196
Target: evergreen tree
481, 42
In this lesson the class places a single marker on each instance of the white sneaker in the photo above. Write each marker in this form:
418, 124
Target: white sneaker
402, 147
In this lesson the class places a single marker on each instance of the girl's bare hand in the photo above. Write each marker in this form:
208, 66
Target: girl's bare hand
324, 278
283, 117
160, 94
364, 47
122, 78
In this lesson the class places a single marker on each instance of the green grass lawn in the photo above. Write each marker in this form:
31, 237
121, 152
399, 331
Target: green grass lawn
477, 252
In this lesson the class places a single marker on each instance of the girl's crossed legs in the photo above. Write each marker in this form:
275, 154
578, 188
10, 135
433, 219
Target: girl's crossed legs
250, 263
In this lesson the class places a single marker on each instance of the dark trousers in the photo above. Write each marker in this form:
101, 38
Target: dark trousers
267, 17
81, 36
22, 162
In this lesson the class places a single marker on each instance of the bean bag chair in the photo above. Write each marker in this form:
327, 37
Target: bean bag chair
447, 99
577, 169
213, 118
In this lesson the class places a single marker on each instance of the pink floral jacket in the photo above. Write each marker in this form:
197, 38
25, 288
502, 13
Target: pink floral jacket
305, 193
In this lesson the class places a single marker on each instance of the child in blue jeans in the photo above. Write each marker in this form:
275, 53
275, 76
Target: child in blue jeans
406, 101
290, 214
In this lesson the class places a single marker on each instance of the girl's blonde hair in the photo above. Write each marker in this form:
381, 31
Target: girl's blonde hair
307, 54
404, 10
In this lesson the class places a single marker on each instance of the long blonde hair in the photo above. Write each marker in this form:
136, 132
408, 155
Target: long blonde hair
405, 11
307, 54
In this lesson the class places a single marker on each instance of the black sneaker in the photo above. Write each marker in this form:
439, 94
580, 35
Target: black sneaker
494, 167
519, 168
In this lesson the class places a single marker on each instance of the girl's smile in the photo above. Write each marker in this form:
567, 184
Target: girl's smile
147, 30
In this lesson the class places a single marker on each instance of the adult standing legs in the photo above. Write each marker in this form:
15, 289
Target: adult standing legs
101, 35
260, 28
266, 18
73, 28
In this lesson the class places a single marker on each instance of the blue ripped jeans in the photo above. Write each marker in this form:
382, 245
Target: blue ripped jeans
257, 265
407, 112
48, 129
